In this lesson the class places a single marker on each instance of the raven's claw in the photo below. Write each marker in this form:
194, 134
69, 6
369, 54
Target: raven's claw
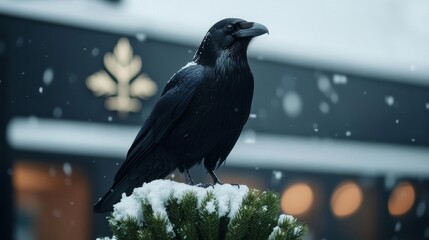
205, 185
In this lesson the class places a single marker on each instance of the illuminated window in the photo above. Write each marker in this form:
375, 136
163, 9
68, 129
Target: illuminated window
297, 199
401, 199
52, 201
346, 200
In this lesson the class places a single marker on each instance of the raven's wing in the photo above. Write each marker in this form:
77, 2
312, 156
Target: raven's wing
173, 102
140, 165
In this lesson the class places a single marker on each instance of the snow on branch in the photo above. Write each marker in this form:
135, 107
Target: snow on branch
164, 209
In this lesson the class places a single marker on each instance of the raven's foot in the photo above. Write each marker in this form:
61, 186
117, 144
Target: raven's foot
205, 185
232, 184
216, 180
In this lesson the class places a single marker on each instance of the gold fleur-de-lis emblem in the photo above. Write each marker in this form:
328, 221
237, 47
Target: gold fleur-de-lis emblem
127, 83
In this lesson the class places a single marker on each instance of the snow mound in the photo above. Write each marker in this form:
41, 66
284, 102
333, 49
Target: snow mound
157, 192
107, 238
164, 209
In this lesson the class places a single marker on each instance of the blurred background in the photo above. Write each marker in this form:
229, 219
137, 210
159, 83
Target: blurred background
339, 124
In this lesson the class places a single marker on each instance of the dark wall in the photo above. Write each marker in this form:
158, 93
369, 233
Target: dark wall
6, 219
370, 109
289, 99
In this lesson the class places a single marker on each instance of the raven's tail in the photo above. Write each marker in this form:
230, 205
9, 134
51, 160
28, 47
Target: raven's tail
113, 196
154, 166
126, 185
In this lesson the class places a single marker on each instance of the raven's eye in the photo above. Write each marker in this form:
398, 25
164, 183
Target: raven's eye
229, 27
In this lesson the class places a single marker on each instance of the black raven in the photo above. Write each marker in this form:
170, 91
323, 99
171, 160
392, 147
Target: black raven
199, 115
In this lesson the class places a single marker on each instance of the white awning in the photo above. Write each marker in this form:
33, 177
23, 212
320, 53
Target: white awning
262, 150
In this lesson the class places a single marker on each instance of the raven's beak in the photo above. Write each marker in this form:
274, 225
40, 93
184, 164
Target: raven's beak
250, 29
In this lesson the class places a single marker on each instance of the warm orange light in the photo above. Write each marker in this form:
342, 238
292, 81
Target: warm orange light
57, 200
346, 200
401, 199
297, 199
29, 176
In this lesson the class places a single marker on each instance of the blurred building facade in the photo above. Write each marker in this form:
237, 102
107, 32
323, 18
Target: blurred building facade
347, 149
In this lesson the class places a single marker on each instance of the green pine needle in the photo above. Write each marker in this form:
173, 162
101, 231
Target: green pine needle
257, 218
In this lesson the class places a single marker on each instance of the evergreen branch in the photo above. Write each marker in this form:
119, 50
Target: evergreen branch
157, 224
125, 229
265, 216
189, 212
209, 218
238, 228
174, 213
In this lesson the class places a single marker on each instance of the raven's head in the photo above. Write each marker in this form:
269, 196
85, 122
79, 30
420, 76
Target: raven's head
230, 34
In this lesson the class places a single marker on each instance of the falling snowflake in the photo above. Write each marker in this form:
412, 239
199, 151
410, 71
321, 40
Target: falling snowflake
315, 127
420, 210
389, 100
48, 76
334, 97
398, 227
57, 112
292, 104
323, 84
67, 169
339, 79
56, 213
140, 37
324, 107
277, 175
95, 52
249, 136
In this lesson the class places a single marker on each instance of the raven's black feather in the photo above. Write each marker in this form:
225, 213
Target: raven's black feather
200, 114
